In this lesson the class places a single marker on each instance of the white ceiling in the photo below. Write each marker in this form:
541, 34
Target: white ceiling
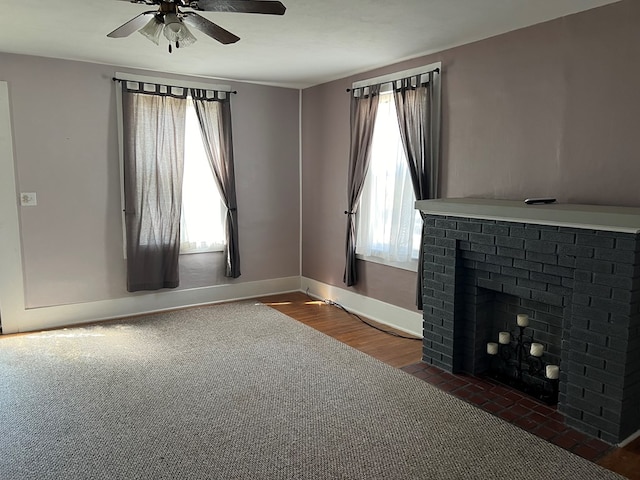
314, 42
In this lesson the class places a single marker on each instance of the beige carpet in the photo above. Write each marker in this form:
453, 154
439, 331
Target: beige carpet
240, 391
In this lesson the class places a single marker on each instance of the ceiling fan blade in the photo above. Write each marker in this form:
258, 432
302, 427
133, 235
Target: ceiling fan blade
270, 7
132, 25
209, 28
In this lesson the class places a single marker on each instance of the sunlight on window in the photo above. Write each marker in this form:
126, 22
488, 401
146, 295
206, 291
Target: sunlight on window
203, 213
389, 227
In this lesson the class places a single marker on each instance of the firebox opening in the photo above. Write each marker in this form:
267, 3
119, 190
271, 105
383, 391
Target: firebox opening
489, 313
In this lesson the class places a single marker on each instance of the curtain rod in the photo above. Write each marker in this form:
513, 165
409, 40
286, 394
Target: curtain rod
437, 70
115, 79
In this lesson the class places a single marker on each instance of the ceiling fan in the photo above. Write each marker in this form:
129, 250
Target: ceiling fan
170, 20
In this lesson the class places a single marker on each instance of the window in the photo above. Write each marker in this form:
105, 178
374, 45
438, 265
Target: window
389, 227
203, 212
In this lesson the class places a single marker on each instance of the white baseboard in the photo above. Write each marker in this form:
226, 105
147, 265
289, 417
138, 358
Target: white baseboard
385, 313
31, 319
629, 439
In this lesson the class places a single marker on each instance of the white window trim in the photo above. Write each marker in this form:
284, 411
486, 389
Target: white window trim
411, 265
119, 116
386, 81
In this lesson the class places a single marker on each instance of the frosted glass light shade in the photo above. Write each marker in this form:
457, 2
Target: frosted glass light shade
152, 30
176, 31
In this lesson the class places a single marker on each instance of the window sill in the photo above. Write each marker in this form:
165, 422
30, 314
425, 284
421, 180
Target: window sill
411, 266
203, 250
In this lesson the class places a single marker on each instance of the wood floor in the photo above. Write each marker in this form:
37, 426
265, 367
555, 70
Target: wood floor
400, 352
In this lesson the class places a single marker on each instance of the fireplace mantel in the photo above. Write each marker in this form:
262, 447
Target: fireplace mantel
592, 217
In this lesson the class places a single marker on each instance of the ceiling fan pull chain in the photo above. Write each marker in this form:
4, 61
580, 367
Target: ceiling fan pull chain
170, 47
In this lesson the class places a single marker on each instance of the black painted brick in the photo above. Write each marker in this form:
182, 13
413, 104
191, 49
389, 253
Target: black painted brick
469, 227
567, 261
469, 255
600, 266
590, 313
582, 276
488, 267
618, 256
446, 261
613, 280
488, 249
544, 277
592, 289
481, 238
490, 284
515, 272
588, 407
592, 387
559, 290
492, 229
581, 299
605, 377
595, 240
614, 368
511, 252
575, 251
626, 270
433, 250
499, 260
443, 313
540, 246
558, 270
510, 242
560, 237
584, 358
517, 291
457, 234
622, 295
557, 311
627, 242
464, 245
542, 257
528, 265
448, 224
531, 233
446, 242
588, 336
503, 278
525, 282
434, 232
547, 297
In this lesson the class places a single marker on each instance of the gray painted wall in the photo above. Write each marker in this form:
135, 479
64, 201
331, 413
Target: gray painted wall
550, 110
66, 150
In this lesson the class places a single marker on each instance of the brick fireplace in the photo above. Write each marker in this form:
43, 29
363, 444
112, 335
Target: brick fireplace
575, 270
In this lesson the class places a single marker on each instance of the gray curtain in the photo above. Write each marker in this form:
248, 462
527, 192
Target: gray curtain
418, 117
364, 106
153, 128
214, 114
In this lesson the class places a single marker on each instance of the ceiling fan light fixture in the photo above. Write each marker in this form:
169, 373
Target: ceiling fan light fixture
152, 30
176, 31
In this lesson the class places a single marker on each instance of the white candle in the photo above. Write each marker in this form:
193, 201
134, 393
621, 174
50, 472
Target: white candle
552, 372
537, 349
492, 348
523, 320
504, 338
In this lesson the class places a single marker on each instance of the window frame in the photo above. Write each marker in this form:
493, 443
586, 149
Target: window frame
123, 76
386, 82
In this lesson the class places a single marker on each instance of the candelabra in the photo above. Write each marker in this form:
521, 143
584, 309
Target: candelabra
516, 360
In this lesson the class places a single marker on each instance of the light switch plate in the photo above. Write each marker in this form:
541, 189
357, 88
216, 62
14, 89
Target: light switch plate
28, 199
